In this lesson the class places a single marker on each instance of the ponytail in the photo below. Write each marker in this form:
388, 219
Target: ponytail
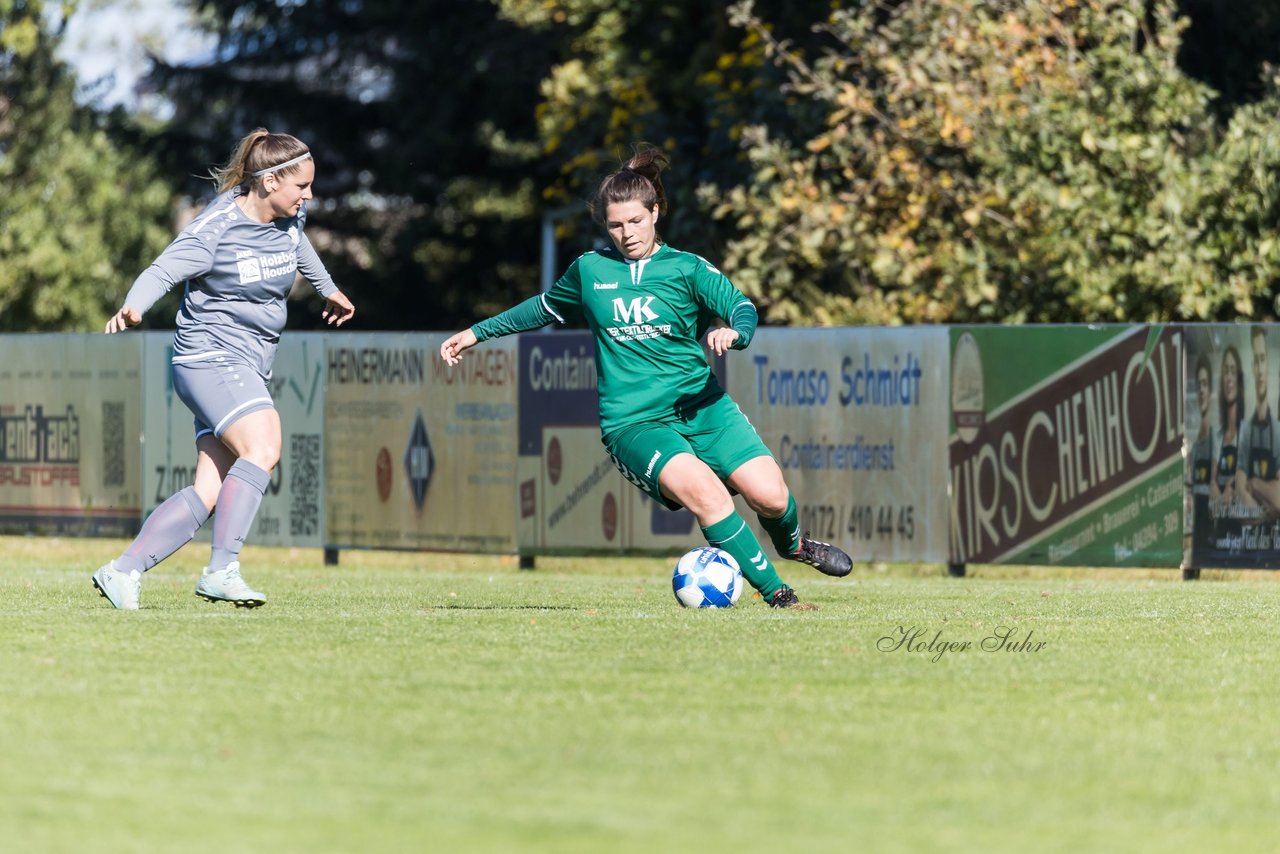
258, 155
639, 180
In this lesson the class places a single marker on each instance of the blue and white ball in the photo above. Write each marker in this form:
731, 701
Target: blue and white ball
707, 578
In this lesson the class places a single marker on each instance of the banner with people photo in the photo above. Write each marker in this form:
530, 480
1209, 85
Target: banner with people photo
854, 418
419, 455
69, 426
1066, 445
1233, 446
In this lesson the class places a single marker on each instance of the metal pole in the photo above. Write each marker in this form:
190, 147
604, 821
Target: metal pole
549, 263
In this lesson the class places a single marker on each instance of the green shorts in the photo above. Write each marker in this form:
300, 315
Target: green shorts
718, 433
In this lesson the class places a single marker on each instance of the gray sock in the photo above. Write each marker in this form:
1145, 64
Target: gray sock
169, 527
242, 492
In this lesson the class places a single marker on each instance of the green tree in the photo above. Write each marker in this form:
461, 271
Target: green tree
79, 216
672, 73
1002, 161
421, 117
445, 129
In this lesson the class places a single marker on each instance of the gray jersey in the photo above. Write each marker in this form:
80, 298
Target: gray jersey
238, 274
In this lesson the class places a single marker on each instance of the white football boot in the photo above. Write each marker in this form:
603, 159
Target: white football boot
121, 589
226, 585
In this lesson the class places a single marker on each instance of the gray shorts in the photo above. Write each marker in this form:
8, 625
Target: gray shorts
219, 390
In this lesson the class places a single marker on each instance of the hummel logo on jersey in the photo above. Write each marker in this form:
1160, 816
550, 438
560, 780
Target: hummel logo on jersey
606, 286
653, 461
637, 311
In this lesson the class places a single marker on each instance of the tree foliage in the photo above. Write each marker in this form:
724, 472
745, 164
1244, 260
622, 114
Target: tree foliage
421, 119
672, 73
979, 161
901, 161
80, 215
445, 130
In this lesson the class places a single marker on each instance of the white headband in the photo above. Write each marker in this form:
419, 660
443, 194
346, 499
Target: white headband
279, 166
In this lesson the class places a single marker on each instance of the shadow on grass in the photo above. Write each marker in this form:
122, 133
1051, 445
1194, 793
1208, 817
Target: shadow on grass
461, 607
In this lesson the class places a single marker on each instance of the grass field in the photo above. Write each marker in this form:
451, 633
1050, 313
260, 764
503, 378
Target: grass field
409, 702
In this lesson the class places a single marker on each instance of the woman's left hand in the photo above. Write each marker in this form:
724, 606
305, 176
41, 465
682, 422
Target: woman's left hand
721, 339
123, 319
337, 309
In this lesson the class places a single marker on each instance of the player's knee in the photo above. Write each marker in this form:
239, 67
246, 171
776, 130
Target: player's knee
705, 498
713, 506
775, 506
769, 501
269, 460
264, 455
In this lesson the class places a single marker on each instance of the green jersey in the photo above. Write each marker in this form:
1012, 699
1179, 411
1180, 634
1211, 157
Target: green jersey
648, 318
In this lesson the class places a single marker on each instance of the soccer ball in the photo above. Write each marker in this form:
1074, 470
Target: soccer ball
707, 578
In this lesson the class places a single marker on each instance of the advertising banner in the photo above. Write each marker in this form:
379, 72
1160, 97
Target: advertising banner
292, 508
854, 418
1233, 445
583, 493
292, 511
1066, 445
419, 455
69, 425
572, 498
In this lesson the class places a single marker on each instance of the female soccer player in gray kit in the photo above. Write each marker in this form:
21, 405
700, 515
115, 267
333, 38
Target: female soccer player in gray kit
666, 422
238, 259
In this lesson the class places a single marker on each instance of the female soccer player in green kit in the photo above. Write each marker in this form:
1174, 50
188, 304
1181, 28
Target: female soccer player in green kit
666, 422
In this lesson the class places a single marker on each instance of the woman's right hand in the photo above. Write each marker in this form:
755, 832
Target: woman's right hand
123, 319
451, 350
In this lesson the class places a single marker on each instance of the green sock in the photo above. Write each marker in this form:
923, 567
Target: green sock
734, 536
784, 530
